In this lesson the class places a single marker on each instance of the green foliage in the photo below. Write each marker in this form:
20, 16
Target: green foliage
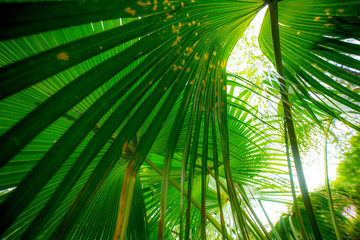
116, 107
349, 168
348, 180
347, 226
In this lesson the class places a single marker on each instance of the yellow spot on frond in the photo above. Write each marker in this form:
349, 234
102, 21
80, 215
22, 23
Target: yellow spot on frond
140, 53
188, 70
193, 22
165, 8
192, 82
183, 62
298, 33
187, 14
196, 56
340, 10
328, 13
189, 24
329, 24
182, 4
214, 53
317, 18
203, 82
150, 82
197, 75
128, 9
196, 34
168, 15
206, 56
140, 3
63, 56
327, 10
176, 41
154, 8
173, 7
165, 88
221, 80
203, 92
175, 68
101, 47
202, 107
224, 88
222, 64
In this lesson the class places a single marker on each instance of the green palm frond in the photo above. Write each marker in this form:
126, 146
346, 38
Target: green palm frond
318, 43
116, 115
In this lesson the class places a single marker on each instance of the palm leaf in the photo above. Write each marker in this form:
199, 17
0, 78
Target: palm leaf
89, 89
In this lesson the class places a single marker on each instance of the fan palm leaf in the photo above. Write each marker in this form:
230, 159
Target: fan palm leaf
96, 96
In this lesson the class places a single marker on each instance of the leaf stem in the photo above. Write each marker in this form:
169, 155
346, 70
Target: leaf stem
125, 202
328, 190
289, 120
193, 201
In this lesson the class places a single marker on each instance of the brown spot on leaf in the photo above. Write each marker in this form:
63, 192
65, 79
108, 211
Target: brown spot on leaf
128, 9
124, 147
63, 56
196, 56
329, 24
